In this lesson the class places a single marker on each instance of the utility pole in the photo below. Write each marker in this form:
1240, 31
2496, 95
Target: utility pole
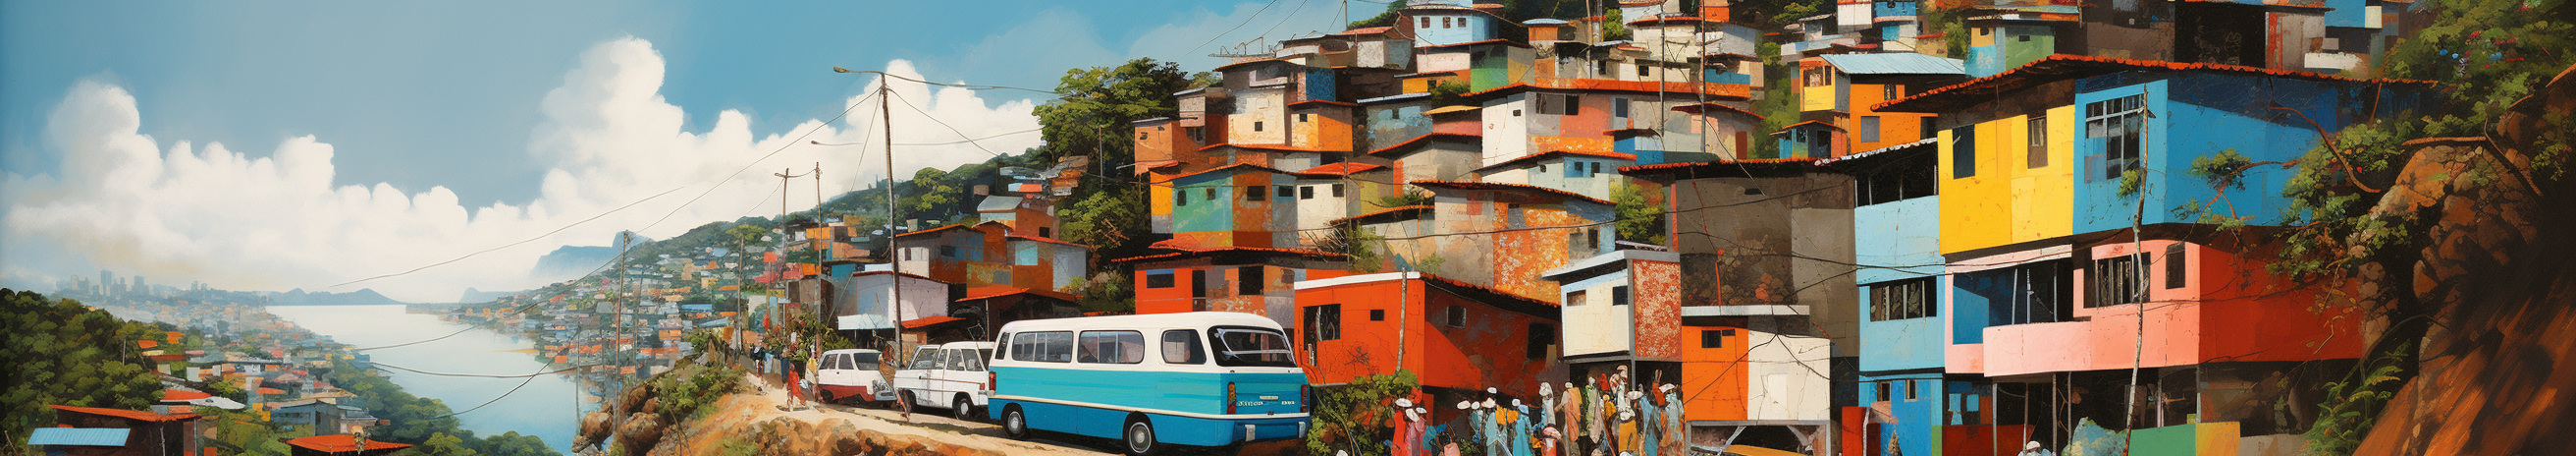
894, 262
784, 174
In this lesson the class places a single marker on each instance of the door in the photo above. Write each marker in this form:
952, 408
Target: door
919, 374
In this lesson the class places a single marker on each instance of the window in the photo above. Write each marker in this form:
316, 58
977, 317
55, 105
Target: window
1140, 135
1642, 70
1243, 346
1577, 298
1868, 128
1337, 190
1247, 280
1516, 113
947, 251
1180, 197
1552, 104
1890, 91
1714, 338
1901, 300
1254, 193
1113, 347
2038, 141
1928, 130
928, 358
1912, 389
1046, 232
1963, 152
1619, 107
1256, 125
1542, 339
1158, 279
1306, 192
1426, 23
965, 360
1181, 346
1323, 323
2114, 281
1596, 168
1287, 191
1301, 117
1377, 314
1619, 295
1601, 67
1198, 283
2117, 121
1542, 168
1197, 134
1454, 317
1209, 192
2175, 271
2022, 38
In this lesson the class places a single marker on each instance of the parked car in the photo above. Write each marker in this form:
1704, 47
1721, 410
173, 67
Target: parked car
949, 376
848, 374
1204, 379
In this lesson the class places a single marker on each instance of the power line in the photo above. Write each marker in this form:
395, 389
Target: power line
528, 240
1247, 20
951, 128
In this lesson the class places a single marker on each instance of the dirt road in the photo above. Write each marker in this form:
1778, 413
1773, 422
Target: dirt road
746, 416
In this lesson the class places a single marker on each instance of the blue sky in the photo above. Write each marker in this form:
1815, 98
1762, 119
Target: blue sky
441, 110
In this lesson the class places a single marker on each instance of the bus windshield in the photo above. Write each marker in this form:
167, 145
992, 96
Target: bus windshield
1239, 346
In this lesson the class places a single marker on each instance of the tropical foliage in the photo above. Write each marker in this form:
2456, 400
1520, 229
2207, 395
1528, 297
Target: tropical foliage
61, 352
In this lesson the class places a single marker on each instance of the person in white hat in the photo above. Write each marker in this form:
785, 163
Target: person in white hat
1546, 404
1408, 442
2035, 449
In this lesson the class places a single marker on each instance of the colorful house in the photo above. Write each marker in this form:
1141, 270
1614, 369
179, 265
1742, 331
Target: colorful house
1902, 394
146, 433
1622, 309
1530, 229
1253, 280
1457, 339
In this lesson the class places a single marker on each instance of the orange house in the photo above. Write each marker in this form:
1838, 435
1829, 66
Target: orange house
1457, 339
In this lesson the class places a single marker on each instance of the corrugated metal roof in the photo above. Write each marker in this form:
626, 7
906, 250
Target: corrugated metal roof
79, 437
1895, 63
998, 204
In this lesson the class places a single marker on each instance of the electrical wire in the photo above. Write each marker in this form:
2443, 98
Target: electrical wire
951, 128
1247, 20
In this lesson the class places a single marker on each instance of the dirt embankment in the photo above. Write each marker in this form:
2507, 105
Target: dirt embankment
2497, 278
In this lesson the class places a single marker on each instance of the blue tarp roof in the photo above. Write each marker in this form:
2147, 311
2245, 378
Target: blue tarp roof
79, 437
698, 307
1895, 63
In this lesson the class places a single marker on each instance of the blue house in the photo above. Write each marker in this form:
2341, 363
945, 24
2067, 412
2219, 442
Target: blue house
1896, 223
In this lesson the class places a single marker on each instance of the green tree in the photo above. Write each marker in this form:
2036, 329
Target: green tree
63, 353
1641, 214
1614, 27
1353, 417
441, 444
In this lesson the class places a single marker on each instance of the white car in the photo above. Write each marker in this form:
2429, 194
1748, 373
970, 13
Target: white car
950, 376
846, 374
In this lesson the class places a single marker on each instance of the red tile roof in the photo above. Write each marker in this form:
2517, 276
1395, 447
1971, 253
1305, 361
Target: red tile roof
1223, 250
181, 395
1282, 148
1559, 153
1474, 43
1230, 167
1424, 139
2059, 67
1817, 122
925, 322
1329, 102
1365, 31
340, 443
271, 391
1714, 90
137, 415
1798, 162
1340, 169
1667, 19
996, 291
1048, 240
1507, 187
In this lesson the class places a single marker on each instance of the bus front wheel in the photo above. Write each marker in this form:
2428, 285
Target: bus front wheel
1014, 423
1140, 437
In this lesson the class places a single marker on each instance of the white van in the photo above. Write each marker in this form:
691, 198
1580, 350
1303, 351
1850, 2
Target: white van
949, 376
847, 374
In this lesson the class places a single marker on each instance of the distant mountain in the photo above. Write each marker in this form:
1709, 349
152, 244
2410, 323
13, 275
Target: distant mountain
569, 262
298, 297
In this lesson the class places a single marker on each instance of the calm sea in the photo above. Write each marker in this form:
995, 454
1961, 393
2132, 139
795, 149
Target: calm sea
545, 407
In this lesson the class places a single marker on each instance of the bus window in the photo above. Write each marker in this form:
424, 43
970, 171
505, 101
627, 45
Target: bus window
1181, 346
1003, 343
927, 358
1113, 347
1050, 347
1240, 346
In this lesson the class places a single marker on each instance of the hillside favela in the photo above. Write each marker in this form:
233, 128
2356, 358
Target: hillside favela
1290, 227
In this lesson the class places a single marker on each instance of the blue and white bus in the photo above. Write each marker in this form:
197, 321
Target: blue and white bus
1151, 381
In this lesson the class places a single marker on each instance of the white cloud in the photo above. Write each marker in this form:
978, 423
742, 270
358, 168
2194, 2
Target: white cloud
209, 213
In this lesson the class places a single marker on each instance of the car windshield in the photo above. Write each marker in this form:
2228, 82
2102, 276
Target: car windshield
1251, 347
